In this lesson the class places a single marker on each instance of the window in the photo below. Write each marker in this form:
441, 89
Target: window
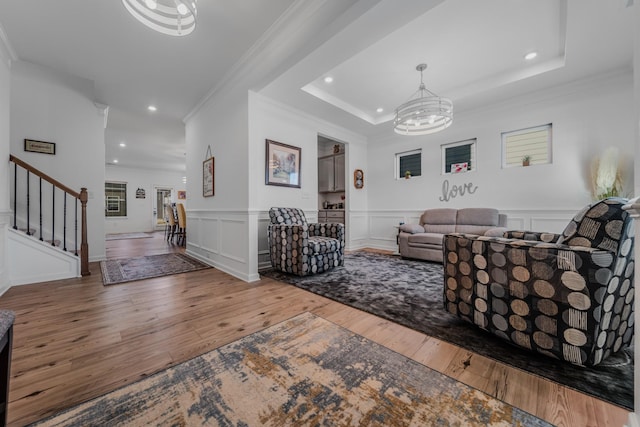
410, 161
115, 194
459, 156
533, 142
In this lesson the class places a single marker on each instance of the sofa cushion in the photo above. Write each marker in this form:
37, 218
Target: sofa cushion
412, 228
426, 238
440, 228
439, 216
477, 216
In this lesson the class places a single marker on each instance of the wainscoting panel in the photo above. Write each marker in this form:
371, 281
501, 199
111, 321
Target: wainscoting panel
220, 239
358, 231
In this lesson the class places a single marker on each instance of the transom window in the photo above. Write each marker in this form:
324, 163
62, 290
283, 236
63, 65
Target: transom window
530, 145
115, 194
409, 161
459, 156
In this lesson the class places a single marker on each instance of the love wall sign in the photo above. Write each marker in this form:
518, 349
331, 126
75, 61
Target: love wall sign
452, 191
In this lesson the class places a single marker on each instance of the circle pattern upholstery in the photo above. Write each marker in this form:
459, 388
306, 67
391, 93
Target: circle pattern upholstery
300, 248
571, 300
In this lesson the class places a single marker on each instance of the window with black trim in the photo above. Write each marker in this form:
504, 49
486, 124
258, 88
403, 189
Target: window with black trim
459, 156
115, 194
409, 163
530, 146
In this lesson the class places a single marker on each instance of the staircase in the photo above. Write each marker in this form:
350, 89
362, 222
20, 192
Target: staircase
45, 230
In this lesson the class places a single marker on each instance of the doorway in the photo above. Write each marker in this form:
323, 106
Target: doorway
163, 198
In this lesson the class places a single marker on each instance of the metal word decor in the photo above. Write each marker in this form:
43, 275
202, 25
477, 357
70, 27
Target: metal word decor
456, 190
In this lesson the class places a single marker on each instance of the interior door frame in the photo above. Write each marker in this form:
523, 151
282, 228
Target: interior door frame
154, 207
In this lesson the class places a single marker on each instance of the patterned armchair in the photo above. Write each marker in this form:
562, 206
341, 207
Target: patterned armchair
298, 247
567, 296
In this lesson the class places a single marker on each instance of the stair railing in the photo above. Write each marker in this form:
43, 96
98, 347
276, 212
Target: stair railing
81, 197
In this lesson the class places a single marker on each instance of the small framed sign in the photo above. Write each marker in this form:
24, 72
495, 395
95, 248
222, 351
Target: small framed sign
39, 146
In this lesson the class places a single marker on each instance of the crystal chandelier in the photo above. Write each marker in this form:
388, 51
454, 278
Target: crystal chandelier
424, 113
172, 17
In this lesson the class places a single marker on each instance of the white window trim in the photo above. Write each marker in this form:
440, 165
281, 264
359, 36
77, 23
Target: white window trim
396, 169
471, 141
548, 126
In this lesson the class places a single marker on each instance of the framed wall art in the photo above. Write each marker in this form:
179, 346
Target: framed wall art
39, 146
282, 164
207, 177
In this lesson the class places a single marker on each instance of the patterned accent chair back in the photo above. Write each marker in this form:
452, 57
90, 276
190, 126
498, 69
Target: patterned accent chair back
568, 296
287, 216
301, 248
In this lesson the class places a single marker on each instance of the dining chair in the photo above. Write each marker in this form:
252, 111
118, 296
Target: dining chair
171, 223
182, 225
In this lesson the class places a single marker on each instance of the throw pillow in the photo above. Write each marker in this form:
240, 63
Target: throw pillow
412, 228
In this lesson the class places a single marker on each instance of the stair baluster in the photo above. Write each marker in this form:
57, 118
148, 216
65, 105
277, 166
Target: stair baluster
64, 229
29, 233
53, 217
15, 199
41, 239
82, 247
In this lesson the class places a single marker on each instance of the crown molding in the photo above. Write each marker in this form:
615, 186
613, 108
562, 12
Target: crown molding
7, 54
268, 50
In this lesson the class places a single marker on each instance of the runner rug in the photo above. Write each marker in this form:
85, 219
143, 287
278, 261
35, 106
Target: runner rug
303, 371
410, 292
129, 269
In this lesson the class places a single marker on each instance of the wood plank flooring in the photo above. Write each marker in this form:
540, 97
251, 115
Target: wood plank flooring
77, 339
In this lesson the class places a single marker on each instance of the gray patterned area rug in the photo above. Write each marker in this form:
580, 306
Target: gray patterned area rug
303, 371
129, 269
410, 292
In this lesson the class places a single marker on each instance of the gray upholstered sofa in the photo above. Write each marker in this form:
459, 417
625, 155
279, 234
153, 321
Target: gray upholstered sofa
424, 240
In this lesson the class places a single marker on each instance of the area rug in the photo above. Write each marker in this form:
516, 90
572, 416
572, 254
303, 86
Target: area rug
410, 292
303, 371
129, 269
121, 236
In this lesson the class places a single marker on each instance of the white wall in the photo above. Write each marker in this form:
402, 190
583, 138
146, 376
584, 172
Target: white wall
217, 226
49, 106
272, 120
5, 138
140, 211
587, 117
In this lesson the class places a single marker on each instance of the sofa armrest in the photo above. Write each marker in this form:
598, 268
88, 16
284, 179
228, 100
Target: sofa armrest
495, 232
412, 228
532, 235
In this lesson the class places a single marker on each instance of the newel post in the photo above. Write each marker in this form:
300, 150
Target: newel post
84, 244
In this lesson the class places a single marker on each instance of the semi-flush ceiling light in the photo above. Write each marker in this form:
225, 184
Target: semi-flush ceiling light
172, 17
379, 110
152, 108
424, 113
328, 79
529, 56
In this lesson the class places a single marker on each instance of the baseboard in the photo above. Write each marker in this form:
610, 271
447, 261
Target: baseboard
633, 420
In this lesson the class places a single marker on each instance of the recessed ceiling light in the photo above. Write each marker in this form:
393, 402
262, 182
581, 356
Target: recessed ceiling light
380, 110
115, 160
328, 79
529, 56
152, 108
122, 144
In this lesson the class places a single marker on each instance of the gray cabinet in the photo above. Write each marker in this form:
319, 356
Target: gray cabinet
331, 173
330, 215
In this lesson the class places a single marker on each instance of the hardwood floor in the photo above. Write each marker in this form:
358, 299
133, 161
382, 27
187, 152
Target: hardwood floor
77, 339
